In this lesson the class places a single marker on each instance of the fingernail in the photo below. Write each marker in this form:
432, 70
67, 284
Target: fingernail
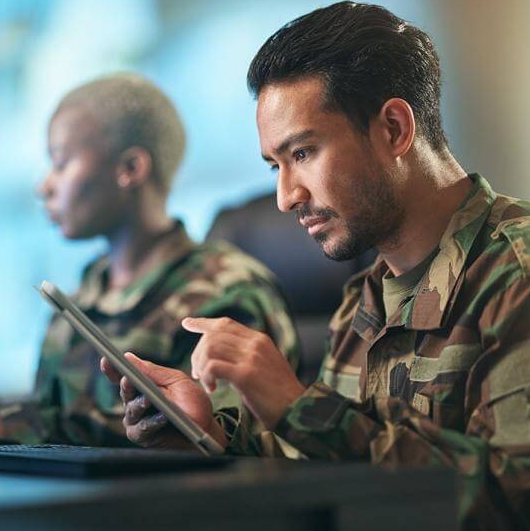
159, 418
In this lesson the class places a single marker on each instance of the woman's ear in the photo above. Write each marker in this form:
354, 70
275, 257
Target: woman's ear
134, 167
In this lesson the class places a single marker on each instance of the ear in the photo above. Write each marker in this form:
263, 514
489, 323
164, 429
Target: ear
134, 167
396, 122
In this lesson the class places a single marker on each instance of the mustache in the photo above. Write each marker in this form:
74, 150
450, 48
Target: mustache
304, 212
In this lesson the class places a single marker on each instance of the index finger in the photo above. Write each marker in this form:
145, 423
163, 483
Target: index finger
201, 325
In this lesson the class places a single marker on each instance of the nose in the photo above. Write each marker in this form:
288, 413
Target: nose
290, 193
44, 188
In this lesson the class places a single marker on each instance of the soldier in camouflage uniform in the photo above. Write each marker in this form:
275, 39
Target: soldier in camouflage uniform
139, 303
428, 359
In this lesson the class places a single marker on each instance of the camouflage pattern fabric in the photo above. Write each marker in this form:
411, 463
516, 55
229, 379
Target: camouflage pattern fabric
445, 381
76, 404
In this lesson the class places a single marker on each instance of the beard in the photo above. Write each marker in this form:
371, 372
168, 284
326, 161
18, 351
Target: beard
377, 219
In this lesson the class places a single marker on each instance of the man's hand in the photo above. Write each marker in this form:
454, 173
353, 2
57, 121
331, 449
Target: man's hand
248, 360
154, 430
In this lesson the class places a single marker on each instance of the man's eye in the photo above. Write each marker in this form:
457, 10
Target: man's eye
274, 168
300, 154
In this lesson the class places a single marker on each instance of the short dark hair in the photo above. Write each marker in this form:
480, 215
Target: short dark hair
365, 56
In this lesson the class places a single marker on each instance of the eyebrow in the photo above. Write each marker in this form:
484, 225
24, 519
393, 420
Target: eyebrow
288, 142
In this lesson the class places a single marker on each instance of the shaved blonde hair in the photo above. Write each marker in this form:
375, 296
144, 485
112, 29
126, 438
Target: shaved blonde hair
134, 112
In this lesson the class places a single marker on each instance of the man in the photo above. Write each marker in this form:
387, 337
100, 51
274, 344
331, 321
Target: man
428, 362
115, 145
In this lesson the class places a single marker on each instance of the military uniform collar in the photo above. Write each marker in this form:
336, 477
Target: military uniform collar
437, 291
171, 248
369, 318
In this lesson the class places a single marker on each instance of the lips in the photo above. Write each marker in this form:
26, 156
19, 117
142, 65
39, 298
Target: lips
54, 216
314, 225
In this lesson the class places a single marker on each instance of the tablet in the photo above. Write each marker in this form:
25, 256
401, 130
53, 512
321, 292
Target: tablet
63, 305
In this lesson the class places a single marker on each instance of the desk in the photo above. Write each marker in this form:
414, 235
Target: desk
252, 494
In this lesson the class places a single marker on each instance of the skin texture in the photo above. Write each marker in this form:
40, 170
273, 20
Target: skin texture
81, 191
330, 174
327, 171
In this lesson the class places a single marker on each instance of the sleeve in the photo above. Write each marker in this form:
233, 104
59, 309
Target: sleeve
74, 406
35, 420
492, 456
26, 423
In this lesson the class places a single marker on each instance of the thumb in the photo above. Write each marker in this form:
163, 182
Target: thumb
159, 374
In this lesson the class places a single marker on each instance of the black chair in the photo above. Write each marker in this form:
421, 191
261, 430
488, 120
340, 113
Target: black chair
311, 282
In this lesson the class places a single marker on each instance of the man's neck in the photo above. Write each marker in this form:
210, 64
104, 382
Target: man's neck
434, 192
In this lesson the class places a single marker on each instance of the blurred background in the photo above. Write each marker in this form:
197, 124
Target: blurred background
198, 51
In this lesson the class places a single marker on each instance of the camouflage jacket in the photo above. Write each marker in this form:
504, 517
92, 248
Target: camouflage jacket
76, 404
445, 381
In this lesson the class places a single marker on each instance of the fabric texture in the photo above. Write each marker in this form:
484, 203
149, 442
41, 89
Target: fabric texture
445, 380
75, 403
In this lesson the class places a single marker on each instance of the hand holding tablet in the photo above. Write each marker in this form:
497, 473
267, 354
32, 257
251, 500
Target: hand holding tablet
62, 304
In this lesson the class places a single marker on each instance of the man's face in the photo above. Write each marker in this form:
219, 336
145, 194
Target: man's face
327, 170
80, 192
